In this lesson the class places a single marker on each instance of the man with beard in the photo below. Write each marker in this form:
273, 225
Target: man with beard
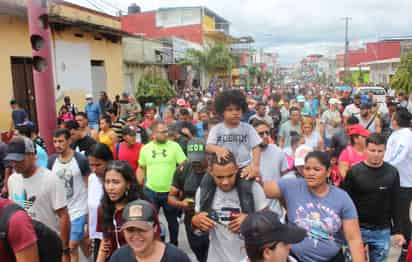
157, 164
374, 188
73, 168
273, 162
353, 109
369, 120
182, 194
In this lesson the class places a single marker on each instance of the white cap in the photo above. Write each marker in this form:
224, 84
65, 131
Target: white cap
301, 152
89, 96
334, 101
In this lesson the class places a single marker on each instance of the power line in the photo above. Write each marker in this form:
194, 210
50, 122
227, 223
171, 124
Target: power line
111, 5
92, 3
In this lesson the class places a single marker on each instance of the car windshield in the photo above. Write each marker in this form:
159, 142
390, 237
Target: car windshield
379, 92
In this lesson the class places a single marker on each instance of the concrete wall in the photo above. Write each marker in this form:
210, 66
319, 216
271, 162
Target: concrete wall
14, 41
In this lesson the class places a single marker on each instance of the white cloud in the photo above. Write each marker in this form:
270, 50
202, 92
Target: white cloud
299, 26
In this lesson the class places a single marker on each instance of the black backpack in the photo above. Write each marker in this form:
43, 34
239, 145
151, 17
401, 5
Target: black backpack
48, 241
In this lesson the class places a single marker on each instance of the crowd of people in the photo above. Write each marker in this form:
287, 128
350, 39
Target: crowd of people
270, 174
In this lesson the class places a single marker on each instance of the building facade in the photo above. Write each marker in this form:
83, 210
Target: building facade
87, 55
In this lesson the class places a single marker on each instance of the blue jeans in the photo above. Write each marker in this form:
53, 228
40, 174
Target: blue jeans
379, 243
171, 213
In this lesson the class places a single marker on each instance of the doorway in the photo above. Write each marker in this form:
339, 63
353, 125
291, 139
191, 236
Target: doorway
23, 85
98, 78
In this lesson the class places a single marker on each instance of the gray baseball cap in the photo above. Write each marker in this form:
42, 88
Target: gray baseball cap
18, 148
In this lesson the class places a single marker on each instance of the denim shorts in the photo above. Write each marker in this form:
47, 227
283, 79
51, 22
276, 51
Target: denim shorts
77, 228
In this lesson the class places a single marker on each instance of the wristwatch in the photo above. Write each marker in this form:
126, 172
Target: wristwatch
66, 251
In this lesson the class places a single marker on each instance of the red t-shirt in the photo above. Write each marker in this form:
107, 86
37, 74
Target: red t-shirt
21, 233
129, 154
351, 156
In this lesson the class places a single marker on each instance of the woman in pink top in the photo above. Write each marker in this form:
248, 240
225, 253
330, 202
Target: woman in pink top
65, 115
355, 152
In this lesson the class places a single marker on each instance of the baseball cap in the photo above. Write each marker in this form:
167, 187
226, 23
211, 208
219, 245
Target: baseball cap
264, 227
196, 150
358, 130
181, 102
334, 101
128, 131
301, 152
365, 106
357, 96
125, 94
89, 96
300, 99
140, 214
131, 117
18, 148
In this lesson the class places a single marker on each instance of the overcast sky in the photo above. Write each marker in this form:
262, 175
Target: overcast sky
295, 28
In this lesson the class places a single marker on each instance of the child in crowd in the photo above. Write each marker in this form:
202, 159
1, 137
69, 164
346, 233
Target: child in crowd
234, 136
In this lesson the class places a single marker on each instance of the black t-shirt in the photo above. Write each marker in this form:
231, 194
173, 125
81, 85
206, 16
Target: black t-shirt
375, 193
171, 254
83, 145
187, 181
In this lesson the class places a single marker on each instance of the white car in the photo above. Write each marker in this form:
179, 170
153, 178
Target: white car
379, 93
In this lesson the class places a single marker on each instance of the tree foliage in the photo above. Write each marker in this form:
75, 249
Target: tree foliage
152, 87
210, 60
402, 80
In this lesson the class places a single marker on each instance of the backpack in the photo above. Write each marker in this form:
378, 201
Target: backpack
48, 241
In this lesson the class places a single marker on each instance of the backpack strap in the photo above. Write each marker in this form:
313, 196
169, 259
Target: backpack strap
370, 122
51, 161
117, 150
5, 217
83, 163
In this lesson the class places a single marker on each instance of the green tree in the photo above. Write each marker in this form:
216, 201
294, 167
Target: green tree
152, 87
210, 61
402, 80
348, 78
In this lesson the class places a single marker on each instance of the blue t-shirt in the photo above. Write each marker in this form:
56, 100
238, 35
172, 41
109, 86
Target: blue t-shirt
41, 156
93, 113
321, 217
200, 131
18, 116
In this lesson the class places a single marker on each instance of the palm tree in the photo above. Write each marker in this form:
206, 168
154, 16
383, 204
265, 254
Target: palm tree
402, 80
210, 61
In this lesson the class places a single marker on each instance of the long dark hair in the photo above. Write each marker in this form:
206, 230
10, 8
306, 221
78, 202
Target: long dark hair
135, 191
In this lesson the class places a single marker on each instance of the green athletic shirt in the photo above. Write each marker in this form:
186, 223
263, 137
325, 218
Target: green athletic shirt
160, 161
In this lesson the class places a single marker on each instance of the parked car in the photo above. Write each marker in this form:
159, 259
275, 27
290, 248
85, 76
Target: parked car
379, 93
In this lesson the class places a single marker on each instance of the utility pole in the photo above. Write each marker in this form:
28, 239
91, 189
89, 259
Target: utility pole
346, 62
40, 38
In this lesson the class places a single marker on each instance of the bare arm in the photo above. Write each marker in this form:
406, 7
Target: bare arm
281, 141
141, 174
64, 219
174, 198
272, 189
343, 168
353, 236
29, 254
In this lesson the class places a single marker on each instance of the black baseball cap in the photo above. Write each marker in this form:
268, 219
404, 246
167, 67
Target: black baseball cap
18, 148
357, 96
140, 214
264, 227
196, 150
